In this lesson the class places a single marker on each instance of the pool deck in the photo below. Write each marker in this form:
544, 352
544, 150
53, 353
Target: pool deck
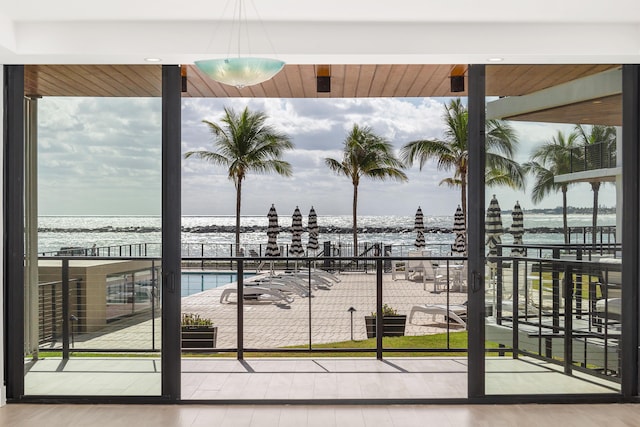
270, 325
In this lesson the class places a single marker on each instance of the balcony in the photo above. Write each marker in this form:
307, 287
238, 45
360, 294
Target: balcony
589, 163
593, 157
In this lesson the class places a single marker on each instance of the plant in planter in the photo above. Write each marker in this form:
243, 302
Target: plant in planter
198, 333
393, 324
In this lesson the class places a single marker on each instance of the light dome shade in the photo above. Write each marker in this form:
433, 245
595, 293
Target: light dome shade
240, 72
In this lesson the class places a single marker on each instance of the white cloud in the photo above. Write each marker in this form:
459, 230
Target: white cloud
103, 156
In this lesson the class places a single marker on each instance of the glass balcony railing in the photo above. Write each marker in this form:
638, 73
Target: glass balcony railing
593, 157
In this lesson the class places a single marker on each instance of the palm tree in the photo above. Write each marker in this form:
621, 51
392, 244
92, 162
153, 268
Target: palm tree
599, 134
451, 153
552, 159
366, 154
244, 143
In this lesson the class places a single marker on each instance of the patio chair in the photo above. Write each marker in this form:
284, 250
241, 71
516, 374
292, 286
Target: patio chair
414, 266
432, 273
254, 254
455, 313
608, 309
526, 295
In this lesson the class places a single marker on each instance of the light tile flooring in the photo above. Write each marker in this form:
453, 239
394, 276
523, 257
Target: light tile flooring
305, 379
611, 415
317, 379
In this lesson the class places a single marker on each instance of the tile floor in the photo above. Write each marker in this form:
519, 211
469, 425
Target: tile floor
63, 415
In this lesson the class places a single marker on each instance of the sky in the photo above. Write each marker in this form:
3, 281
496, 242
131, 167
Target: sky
102, 156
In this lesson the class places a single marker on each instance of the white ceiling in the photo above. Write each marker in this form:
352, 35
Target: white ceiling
327, 31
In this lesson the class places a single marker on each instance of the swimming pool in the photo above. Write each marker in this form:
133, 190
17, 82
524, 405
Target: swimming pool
194, 282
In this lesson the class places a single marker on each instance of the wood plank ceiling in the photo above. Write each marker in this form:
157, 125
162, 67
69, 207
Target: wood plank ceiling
347, 81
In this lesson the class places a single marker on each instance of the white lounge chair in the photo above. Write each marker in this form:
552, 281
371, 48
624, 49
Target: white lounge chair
260, 293
457, 313
317, 280
281, 283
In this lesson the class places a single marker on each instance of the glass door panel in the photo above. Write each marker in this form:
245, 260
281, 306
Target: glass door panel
553, 239
93, 192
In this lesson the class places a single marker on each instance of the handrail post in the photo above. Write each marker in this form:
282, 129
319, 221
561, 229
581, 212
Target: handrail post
579, 257
515, 313
379, 316
309, 298
568, 319
65, 309
499, 290
555, 285
240, 313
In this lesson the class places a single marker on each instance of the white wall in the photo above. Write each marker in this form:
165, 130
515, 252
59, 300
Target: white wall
3, 389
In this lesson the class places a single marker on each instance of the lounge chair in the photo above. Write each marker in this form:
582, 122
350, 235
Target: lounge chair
282, 283
456, 313
317, 280
257, 294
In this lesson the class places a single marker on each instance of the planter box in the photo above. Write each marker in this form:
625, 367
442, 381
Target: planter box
199, 337
393, 326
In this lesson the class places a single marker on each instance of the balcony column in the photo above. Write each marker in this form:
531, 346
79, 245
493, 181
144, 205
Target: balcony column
31, 225
619, 198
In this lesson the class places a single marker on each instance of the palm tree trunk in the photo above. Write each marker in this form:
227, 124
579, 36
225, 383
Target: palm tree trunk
238, 199
564, 215
595, 186
355, 220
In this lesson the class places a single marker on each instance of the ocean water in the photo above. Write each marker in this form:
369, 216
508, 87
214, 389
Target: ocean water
215, 233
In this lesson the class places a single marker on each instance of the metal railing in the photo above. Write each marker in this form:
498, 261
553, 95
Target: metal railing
564, 308
81, 303
76, 329
592, 157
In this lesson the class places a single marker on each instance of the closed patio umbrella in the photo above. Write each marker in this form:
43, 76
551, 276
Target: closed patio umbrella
296, 248
419, 227
313, 229
493, 227
517, 229
493, 231
272, 233
460, 230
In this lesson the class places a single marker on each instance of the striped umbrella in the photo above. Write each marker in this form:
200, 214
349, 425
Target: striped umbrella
517, 229
296, 248
493, 227
313, 229
459, 244
460, 229
272, 232
419, 227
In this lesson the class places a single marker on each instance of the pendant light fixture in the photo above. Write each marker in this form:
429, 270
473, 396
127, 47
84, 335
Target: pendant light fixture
240, 71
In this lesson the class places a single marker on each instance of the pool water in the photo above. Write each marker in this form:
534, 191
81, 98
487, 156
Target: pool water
193, 283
